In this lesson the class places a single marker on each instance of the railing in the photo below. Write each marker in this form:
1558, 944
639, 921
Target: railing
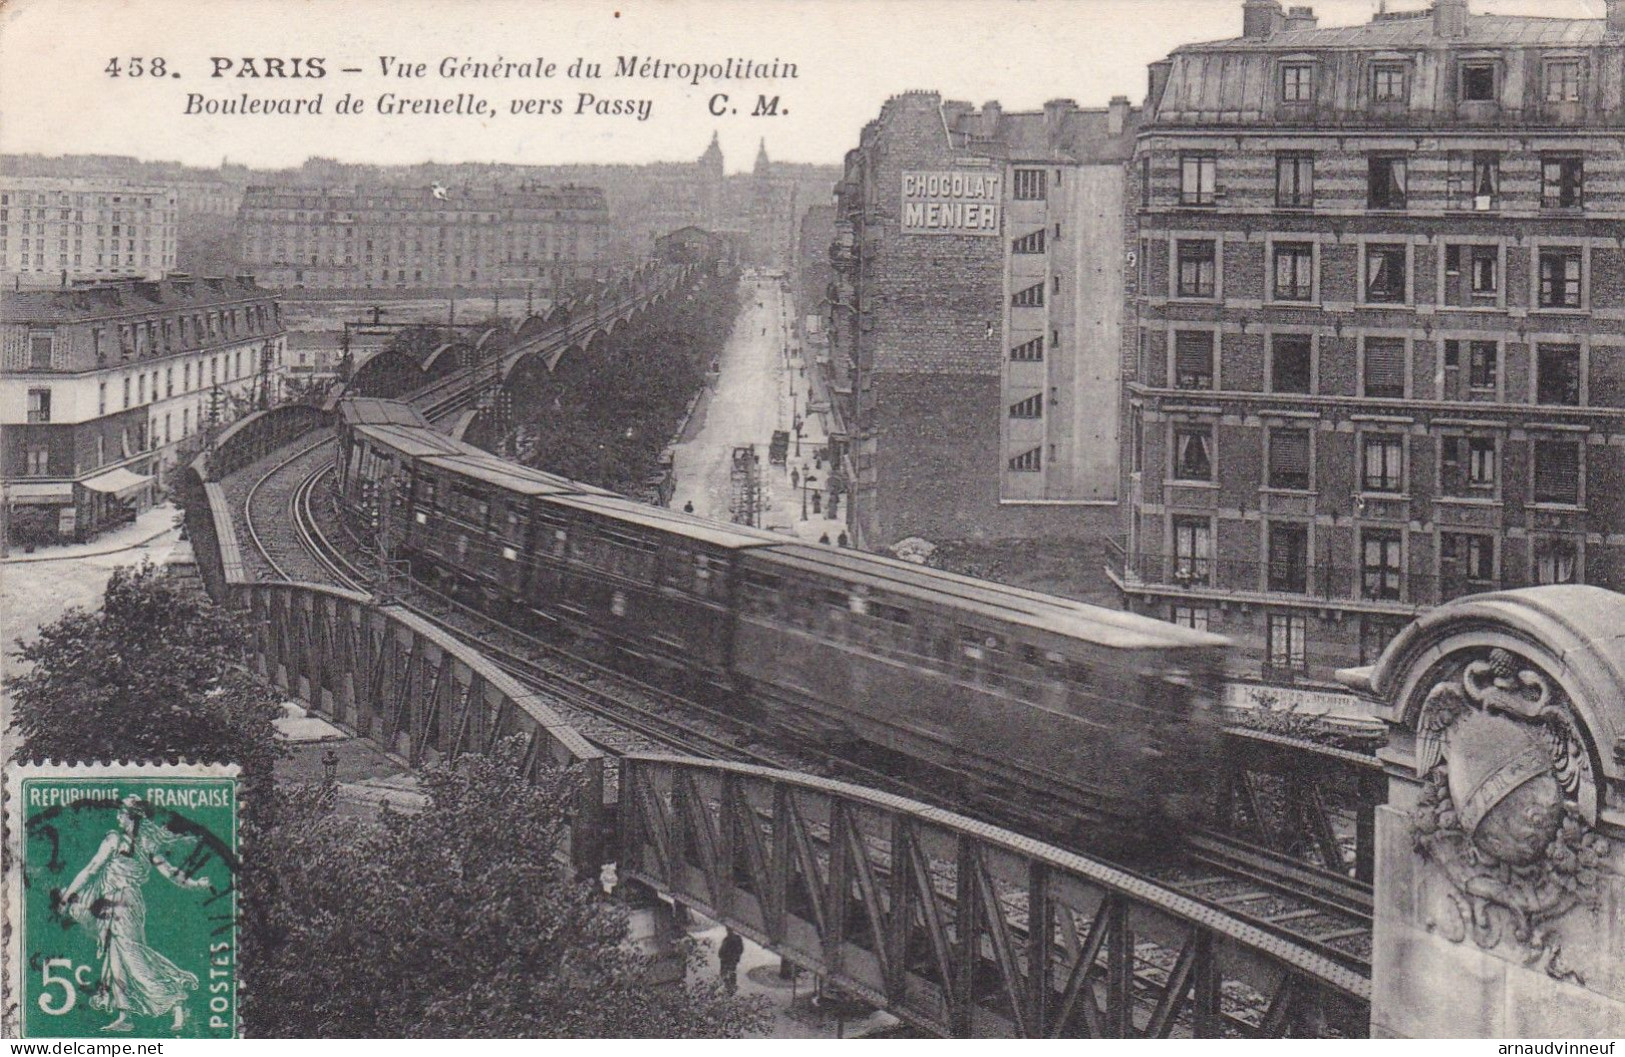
1319, 581
958, 927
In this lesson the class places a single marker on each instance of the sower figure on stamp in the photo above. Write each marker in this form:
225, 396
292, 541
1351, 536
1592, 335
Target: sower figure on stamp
728, 955
106, 898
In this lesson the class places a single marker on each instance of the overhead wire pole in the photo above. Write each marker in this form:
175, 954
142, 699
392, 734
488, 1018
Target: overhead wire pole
385, 587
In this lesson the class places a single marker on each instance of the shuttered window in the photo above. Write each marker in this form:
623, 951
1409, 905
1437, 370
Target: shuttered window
1029, 351
1193, 359
1032, 407
1385, 368
1289, 458
1033, 243
1031, 297
1557, 471
1031, 460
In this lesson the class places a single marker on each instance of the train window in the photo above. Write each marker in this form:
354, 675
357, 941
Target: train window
858, 601
764, 596
702, 576
510, 554
675, 567
426, 496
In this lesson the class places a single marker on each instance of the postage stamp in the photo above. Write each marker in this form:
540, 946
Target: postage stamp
121, 900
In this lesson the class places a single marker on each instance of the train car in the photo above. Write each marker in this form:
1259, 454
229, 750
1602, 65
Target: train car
655, 583
1107, 713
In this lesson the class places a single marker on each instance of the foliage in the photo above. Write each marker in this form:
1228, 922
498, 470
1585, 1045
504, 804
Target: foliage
456, 921
155, 674
31, 526
604, 414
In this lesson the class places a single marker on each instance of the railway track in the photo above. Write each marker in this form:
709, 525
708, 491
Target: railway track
1318, 909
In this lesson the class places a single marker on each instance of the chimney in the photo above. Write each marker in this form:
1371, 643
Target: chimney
1615, 17
1450, 19
1301, 18
1055, 112
1117, 115
991, 112
1156, 80
1260, 19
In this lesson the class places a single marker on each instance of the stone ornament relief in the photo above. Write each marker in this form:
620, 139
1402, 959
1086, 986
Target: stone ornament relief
1506, 807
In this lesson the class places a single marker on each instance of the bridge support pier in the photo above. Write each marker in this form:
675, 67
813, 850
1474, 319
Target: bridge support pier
1500, 853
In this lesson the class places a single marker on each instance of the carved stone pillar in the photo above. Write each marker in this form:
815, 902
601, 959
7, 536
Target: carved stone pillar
1500, 874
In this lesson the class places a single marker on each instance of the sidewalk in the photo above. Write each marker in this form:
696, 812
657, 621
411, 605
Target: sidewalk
143, 530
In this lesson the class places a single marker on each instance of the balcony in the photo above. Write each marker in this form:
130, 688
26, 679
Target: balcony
1320, 583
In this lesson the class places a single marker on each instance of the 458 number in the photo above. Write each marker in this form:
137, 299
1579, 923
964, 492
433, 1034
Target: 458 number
136, 68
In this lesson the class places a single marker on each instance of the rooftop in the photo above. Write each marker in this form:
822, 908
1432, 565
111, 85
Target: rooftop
1419, 29
123, 296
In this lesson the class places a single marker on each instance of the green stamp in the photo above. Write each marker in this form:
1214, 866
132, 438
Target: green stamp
122, 900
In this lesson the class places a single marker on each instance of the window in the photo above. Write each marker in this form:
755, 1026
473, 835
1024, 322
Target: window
1031, 297
1193, 550
1294, 271
1561, 284
101, 398
1033, 243
1297, 82
38, 461
1467, 556
1380, 563
1483, 365
1286, 645
1291, 357
1557, 375
1194, 617
1198, 179
1386, 274
39, 405
1385, 181
1376, 632
1562, 181
1289, 459
1193, 453
1294, 180
1472, 274
1032, 407
1031, 184
1029, 351
126, 392
1478, 82
1388, 83
1382, 460
39, 351
1196, 267
1289, 558
1557, 561
1029, 461
1193, 359
1384, 368
1145, 182
1563, 82
1557, 472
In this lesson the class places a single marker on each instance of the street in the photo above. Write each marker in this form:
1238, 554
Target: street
761, 388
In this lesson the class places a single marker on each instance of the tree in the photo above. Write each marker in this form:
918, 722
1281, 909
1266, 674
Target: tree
459, 920
156, 673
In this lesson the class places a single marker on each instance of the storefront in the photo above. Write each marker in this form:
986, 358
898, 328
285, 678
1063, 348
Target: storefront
111, 499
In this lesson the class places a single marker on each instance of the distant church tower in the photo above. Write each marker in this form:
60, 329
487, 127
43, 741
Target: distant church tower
763, 166
711, 178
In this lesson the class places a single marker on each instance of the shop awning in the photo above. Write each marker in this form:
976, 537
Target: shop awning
120, 482
43, 493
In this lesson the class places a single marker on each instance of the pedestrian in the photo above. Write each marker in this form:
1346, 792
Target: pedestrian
824, 539
818, 504
842, 541
728, 955
795, 479
688, 507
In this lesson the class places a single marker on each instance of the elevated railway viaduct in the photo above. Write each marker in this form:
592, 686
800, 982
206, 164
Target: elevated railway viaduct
962, 928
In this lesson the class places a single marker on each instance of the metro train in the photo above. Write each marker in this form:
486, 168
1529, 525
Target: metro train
1089, 717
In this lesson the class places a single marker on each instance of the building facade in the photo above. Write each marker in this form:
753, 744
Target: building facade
105, 387
545, 239
1380, 325
56, 230
976, 322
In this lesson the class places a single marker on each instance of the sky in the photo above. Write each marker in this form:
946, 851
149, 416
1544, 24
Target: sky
57, 95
